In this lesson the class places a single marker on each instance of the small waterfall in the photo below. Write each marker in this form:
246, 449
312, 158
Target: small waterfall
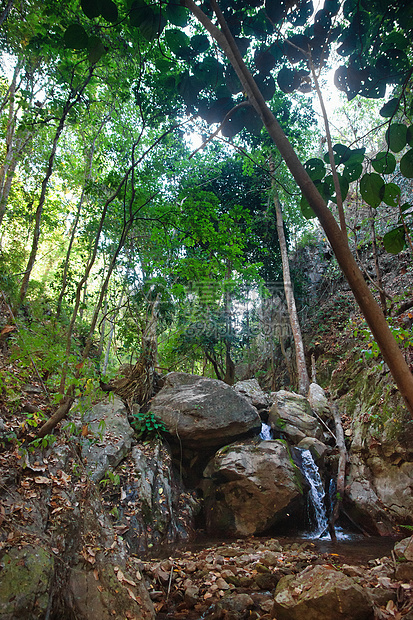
266, 432
316, 494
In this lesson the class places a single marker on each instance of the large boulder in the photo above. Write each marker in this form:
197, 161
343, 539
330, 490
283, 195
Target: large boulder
318, 401
251, 486
380, 477
292, 416
203, 413
321, 593
251, 389
109, 437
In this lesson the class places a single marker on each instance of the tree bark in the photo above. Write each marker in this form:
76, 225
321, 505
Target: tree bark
368, 305
88, 175
303, 379
72, 100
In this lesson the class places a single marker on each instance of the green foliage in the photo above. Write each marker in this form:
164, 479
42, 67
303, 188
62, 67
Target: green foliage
403, 337
147, 425
111, 478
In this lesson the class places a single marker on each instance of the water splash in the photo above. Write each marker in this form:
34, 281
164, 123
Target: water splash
316, 494
266, 432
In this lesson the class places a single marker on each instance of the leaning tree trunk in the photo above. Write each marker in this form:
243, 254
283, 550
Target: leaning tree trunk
303, 379
368, 305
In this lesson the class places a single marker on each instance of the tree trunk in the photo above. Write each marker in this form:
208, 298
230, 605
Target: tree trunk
88, 175
368, 305
15, 144
303, 379
70, 103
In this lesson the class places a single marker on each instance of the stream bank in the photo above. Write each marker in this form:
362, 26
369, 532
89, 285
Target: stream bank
239, 579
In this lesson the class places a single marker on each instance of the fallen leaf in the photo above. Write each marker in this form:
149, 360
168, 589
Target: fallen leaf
42, 480
132, 594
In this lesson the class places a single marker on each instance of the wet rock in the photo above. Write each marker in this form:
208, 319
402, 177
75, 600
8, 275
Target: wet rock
321, 593
251, 389
109, 437
251, 487
192, 409
25, 575
317, 448
291, 415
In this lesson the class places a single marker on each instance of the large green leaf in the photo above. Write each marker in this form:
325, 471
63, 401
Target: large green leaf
243, 118
394, 240
356, 156
232, 81
315, 168
176, 14
199, 44
390, 108
266, 84
352, 171
91, 8
296, 48
96, 50
344, 186
76, 37
146, 19
396, 137
391, 194
264, 61
306, 210
109, 10
409, 135
372, 188
384, 163
324, 191
209, 71
288, 80
177, 41
406, 164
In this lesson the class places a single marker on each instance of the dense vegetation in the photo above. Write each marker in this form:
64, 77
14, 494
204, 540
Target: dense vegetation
117, 229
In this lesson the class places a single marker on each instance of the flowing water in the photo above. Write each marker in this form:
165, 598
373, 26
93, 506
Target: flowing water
266, 432
318, 521
316, 495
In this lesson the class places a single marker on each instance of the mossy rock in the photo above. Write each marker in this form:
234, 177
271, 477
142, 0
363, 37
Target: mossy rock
25, 582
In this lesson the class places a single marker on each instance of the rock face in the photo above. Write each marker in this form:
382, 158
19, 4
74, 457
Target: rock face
321, 593
153, 505
203, 413
291, 415
251, 487
380, 477
251, 389
70, 566
318, 401
109, 439
379, 484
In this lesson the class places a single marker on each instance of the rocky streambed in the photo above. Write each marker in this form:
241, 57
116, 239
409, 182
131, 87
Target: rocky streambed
270, 578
